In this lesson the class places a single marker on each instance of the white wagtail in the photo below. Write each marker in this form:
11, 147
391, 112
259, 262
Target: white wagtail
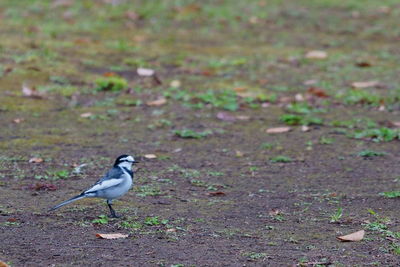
114, 184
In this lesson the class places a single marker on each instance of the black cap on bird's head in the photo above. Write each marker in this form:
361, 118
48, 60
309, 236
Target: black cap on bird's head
124, 158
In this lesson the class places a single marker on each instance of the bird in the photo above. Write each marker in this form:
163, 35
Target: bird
114, 184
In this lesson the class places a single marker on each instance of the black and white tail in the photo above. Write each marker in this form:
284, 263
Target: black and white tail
68, 201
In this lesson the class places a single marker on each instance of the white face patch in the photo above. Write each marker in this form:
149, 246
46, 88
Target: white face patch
129, 158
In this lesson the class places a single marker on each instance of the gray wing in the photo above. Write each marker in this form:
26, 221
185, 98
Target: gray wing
112, 178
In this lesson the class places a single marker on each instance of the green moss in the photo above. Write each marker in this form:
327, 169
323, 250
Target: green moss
112, 83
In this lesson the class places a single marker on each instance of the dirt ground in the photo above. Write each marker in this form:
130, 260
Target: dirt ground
234, 195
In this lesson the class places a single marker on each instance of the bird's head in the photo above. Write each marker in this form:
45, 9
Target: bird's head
125, 161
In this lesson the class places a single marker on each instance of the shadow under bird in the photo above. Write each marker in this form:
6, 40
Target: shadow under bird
114, 184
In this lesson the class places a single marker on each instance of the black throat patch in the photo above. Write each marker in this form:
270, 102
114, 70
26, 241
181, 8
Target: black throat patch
130, 172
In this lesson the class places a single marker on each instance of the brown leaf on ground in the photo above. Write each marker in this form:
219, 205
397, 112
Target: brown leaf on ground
353, 237
363, 64
86, 115
216, 194
274, 212
316, 54
111, 236
278, 130
145, 72
132, 15
43, 187
286, 99
110, 74
317, 92
367, 84
18, 120
224, 116
31, 92
396, 124
35, 160
159, 102
175, 84
243, 117
3, 264
239, 153
305, 128
62, 3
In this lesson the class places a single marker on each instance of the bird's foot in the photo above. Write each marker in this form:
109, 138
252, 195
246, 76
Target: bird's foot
114, 215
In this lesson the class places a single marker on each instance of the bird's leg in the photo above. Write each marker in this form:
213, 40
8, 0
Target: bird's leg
112, 211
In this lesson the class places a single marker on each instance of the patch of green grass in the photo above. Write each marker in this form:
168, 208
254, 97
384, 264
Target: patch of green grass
53, 175
113, 83
215, 173
148, 190
326, 140
187, 133
281, 159
131, 225
292, 119
10, 224
254, 256
361, 123
302, 108
198, 183
337, 215
103, 219
154, 221
371, 153
395, 248
379, 134
391, 194
267, 145
225, 99
364, 97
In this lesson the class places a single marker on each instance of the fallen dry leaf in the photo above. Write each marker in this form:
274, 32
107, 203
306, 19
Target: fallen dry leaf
274, 212
110, 74
31, 92
278, 130
216, 194
159, 102
317, 92
305, 128
239, 153
86, 115
243, 117
224, 116
265, 105
145, 72
316, 54
366, 84
299, 97
356, 236
150, 156
396, 124
175, 84
111, 236
363, 64
42, 187
18, 120
3, 264
132, 15
171, 230
36, 160
310, 82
